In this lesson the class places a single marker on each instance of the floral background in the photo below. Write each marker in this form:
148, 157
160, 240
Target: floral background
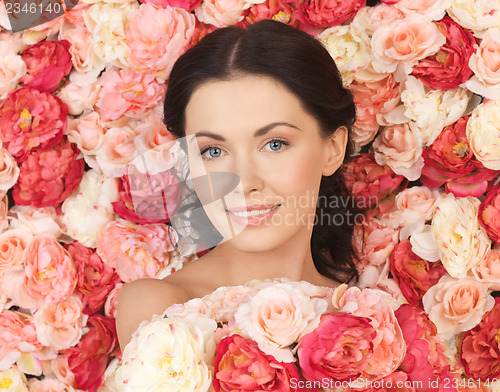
81, 97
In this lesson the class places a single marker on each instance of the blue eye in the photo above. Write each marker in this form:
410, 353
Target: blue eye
275, 145
213, 152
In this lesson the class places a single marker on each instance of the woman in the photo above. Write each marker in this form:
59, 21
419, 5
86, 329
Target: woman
266, 103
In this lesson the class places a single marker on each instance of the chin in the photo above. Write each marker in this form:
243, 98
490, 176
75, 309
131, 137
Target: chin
253, 239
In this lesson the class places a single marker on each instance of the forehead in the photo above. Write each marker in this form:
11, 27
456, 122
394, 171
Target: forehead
247, 102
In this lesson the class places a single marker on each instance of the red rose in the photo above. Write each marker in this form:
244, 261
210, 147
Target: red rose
449, 67
327, 13
89, 358
48, 176
47, 63
489, 212
414, 275
371, 183
30, 119
450, 161
94, 278
241, 366
481, 346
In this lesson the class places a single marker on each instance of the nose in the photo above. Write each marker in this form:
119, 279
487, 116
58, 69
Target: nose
251, 176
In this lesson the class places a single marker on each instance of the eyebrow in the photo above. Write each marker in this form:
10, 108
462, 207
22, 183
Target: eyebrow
258, 132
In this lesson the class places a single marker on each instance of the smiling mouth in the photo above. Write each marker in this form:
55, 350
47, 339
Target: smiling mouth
254, 212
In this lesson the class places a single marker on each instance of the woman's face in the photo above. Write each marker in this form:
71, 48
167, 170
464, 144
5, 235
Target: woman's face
254, 127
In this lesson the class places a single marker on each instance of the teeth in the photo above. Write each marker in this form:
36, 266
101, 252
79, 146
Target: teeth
254, 212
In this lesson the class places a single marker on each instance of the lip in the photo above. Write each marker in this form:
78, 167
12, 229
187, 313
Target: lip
252, 220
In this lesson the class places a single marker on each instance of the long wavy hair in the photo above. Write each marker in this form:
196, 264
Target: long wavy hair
302, 64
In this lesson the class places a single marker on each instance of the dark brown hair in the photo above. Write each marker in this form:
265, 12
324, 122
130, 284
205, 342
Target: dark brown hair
302, 64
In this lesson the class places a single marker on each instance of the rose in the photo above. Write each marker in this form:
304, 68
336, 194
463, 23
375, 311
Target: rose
484, 63
226, 300
13, 380
48, 176
340, 348
483, 133
50, 272
221, 13
400, 147
89, 358
450, 160
89, 209
11, 285
328, 14
59, 366
488, 269
30, 119
414, 275
87, 133
174, 356
489, 210
12, 67
369, 182
17, 335
154, 46
188, 5
12, 245
370, 18
127, 93
449, 67
36, 221
456, 305
47, 63
277, 316
59, 325
398, 46
47, 385
240, 365
462, 241
388, 345
150, 204
476, 15
279, 10
111, 303
481, 346
138, 251
9, 171
79, 97
94, 278
434, 10
373, 101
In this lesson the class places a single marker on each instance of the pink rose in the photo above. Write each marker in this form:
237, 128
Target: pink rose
79, 97
481, 346
388, 345
17, 335
137, 251
30, 119
151, 203
12, 245
394, 382
47, 63
488, 269
414, 275
127, 93
328, 14
11, 284
188, 5
4, 209
431, 9
404, 42
9, 171
76, 14
62, 371
226, 300
50, 272
370, 18
240, 365
373, 100
94, 278
87, 132
369, 182
47, 385
400, 147
449, 160
279, 10
59, 325
425, 360
489, 211
340, 348
457, 305
449, 67
111, 303
48, 176
89, 358
154, 46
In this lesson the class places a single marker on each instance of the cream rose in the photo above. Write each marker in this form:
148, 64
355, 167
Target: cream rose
457, 305
89, 209
462, 241
397, 47
79, 97
484, 62
483, 133
221, 13
170, 352
349, 46
277, 316
12, 68
370, 18
476, 15
432, 110
13, 380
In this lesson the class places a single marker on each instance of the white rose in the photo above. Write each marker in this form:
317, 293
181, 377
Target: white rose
168, 354
432, 110
278, 316
462, 241
483, 133
13, 380
89, 209
424, 245
476, 15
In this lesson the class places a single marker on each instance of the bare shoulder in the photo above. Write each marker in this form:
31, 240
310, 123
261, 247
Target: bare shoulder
139, 300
